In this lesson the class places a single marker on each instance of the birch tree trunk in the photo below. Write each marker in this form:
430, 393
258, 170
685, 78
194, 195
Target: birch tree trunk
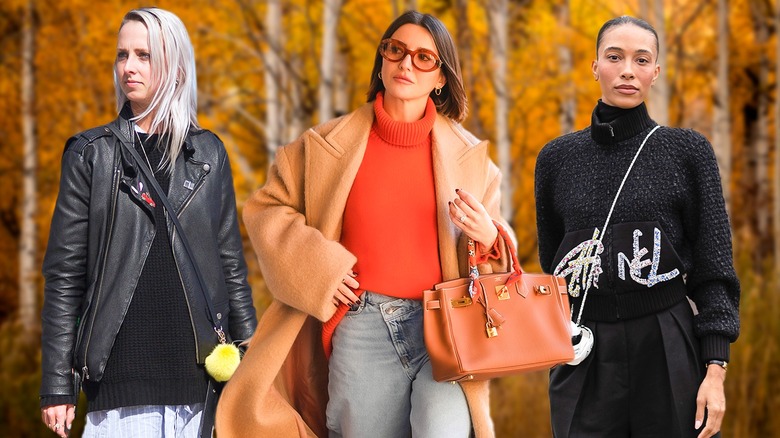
341, 92
761, 139
296, 118
272, 76
776, 185
28, 303
406, 5
722, 123
498, 17
659, 97
568, 102
331, 10
463, 38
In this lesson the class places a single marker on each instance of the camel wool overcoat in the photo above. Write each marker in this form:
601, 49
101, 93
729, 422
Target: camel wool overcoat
294, 222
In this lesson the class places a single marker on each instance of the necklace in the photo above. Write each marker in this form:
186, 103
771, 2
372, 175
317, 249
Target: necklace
143, 150
139, 190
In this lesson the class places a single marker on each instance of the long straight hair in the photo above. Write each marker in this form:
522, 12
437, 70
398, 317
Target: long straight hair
174, 106
452, 101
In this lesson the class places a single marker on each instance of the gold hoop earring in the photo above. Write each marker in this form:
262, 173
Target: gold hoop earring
379, 75
437, 91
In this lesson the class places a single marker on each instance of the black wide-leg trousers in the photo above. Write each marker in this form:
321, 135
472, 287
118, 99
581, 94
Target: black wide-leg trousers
640, 380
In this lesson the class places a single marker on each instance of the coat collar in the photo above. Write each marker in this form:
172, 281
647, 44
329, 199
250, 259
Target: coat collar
333, 157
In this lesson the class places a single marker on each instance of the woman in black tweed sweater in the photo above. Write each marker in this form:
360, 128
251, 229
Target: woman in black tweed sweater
656, 368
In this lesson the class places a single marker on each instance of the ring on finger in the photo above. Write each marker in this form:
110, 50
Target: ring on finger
57, 426
462, 219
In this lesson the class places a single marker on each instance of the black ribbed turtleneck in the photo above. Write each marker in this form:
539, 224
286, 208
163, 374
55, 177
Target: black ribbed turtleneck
610, 125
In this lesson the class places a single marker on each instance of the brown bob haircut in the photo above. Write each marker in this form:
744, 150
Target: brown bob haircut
452, 101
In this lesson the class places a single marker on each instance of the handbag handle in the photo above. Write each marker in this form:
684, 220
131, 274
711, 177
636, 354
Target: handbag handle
474, 272
493, 319
179, 228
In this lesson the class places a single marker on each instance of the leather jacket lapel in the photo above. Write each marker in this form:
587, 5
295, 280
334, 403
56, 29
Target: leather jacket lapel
189, 175
132, 177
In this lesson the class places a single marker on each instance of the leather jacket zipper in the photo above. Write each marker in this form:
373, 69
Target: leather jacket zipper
189, 199
93, 305
176, 261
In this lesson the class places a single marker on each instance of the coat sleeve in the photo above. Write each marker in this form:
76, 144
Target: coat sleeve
242, 319
302, 268
492, 203
65, 280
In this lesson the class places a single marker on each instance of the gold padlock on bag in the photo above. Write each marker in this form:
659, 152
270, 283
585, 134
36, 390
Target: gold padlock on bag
491, 331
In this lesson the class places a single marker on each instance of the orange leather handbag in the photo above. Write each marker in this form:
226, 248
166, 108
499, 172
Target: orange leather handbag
494, 325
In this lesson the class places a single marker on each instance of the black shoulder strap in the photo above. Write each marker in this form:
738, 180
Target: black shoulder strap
172, 214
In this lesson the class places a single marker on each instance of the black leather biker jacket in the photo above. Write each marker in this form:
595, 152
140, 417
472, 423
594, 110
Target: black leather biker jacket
101, 233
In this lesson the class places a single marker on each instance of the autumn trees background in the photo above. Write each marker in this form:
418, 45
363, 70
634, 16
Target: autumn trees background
269, 69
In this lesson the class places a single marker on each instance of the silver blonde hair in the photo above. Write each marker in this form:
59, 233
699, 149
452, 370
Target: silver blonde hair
172, 59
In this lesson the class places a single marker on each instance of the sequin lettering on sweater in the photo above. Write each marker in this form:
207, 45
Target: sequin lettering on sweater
636, 264
584, 269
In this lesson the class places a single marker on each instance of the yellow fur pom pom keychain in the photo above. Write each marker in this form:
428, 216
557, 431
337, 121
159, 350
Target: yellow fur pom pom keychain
222, 362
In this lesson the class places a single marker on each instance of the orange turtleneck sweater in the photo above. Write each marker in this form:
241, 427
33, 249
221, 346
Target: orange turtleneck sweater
390, 222
390, 217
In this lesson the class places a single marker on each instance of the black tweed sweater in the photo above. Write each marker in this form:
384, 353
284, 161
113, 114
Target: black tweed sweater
668, 236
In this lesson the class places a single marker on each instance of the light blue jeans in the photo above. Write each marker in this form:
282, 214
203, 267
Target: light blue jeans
149, 421
380, 380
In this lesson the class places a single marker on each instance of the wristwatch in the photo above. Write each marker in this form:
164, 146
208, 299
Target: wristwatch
721, 363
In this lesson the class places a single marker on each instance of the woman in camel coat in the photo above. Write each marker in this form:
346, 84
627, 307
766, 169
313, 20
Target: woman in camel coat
346, 226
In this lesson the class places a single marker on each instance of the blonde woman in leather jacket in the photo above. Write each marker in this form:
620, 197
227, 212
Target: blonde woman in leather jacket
123, 316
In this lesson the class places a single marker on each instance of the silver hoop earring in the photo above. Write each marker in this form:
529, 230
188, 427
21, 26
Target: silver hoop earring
379, 75
437, 91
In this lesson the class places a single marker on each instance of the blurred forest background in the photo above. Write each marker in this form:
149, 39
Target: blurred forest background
269, 69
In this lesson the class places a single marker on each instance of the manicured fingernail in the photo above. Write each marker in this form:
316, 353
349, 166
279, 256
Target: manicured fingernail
358, 302
457, 190
697, 425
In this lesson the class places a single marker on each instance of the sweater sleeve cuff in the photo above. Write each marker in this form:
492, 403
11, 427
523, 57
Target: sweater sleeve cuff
715, 347
56, 400
485, 254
